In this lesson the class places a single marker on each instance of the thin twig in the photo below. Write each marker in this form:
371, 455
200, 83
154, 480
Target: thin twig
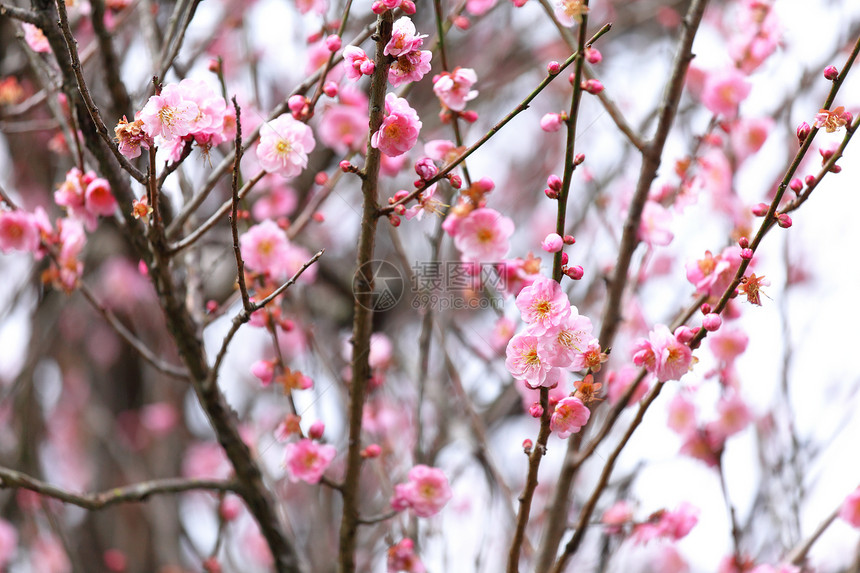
234, 223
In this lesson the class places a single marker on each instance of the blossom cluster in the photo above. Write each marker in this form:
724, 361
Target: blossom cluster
399, 130
86, 197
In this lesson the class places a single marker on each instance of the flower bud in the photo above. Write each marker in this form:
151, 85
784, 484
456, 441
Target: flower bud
564, 258
425, 168
803, 131
316, 431
553, 182
831, 73
747, 254
330, 89
553, 243
743, 242
551, 193
527, 445
321, 178
333, 43
593, 87
783, 220
345, 166
575, 272
400, 210
551, 122
455, 181
394, 220
569, 240
796, 185
297, 103
371, 451
462, 22
579, 159
712, 322
684, 334
469, 116
705, 308
760, 210
809, 180
593, 55
536, 410
553, 68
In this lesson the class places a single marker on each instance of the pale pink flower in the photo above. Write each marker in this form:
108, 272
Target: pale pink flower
832, 120
850, 510
703, 445
673, 525
404, 38
712, 275
682, 414
98, 198
357, 63
526, 360
724, 91
159, 418
619, 382
454, 88
8, 543
734, 416
401, 557
551, 122
206, 460
748, 135
264, 370
306, 460
426, 492
211, 109
343, 128
571, 337
18, 232
426, 203
399, 130
669, 560
569, 417
543, 305
570, 12
727, 345
264, 248
618, 514
663, 354
278, 201
35, 38
654, 225
284, 146
410, 67
169, 114
483, 235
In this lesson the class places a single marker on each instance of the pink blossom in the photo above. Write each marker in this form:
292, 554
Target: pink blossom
727, 345
734, 416
8, 543
264, 370
18, 232
528, 361
663, 354
724, 91
159, 418
211, 109
619, 514
454, 89
404, 38
543, 305
672, 525
131, 137
482, 236
278, 201
654, 225
284, 146
619, 382
553, 243
357, 63
682, 414
748, 135
409, 67
426, 492
169, 114
426, 204
344, 128
850, 510
306, 460
399, 130
571, 337
264, 248
570, 12
35, 38
551, 122
569, 417
401, 557
479, 7
206, 460
703, 445
98, 198
669, 560
712, 275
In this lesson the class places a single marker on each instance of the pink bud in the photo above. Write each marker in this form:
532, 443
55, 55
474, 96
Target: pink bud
551, 122
455, 180
684, 334
469, 116
230, 508
743, 242
527, 445
332, 43
330, 89
367, 67
553, 68
211, 306
575, 272
836, 169
536, 410
712, 322
408, 7
747, 254
318, 217
809, 180
394, 220
400, 195
553, 182
485, 184
462, 22
371, 451
784, 221
315, 432
345, 166
551, 193
593, 55
796, 185
803, 131
831, 73
593, 87
400, 210
569, 240
564, 258
705, 308
378, 7
579, 159
760, 210
553, 243
425, 168
321, 178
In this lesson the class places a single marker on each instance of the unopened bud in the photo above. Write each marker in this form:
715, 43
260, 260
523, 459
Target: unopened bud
784, 221
469, 116
527, 446
536, 410
553, 68
316, 431
553, 182
579, 159
796, 185
809, 180
747, 254
330, 89
333, 43
593, 87
575, 272
705, 308
712, 322
803, 131
831, 73
564, 258
593, 55
394, 220
371, 451
455, 181
551, 193
743, 242
569, 240
760, 210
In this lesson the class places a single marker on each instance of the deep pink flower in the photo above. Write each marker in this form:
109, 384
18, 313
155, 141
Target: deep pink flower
426, 492
724, 91
357, 63
454, 89
98, 198
265, 248
18, 232
401, 557
284, 146
850, 510
399, 130
543, 305
482, 236
306, 460
569, 417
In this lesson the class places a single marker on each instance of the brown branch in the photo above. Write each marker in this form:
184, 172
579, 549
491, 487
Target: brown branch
798, 554
21, 14
363, 313
139, 492
240, 264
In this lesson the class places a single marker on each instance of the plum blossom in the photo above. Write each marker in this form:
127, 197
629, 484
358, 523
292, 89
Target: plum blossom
569, 417
265, 248
528, 361
343, 127
850, 510
357, 63
18, 232
672, 525
748, 135
832, 120
284, 146
426, 492
35, 38
724, 91
454, 88
734, 416
663, 354
401, 557
404, 38
570, 12
399, 130
409, 67
543, 305
571, 337
306, 460
131, 137
482, 236
169, 114
682, 415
